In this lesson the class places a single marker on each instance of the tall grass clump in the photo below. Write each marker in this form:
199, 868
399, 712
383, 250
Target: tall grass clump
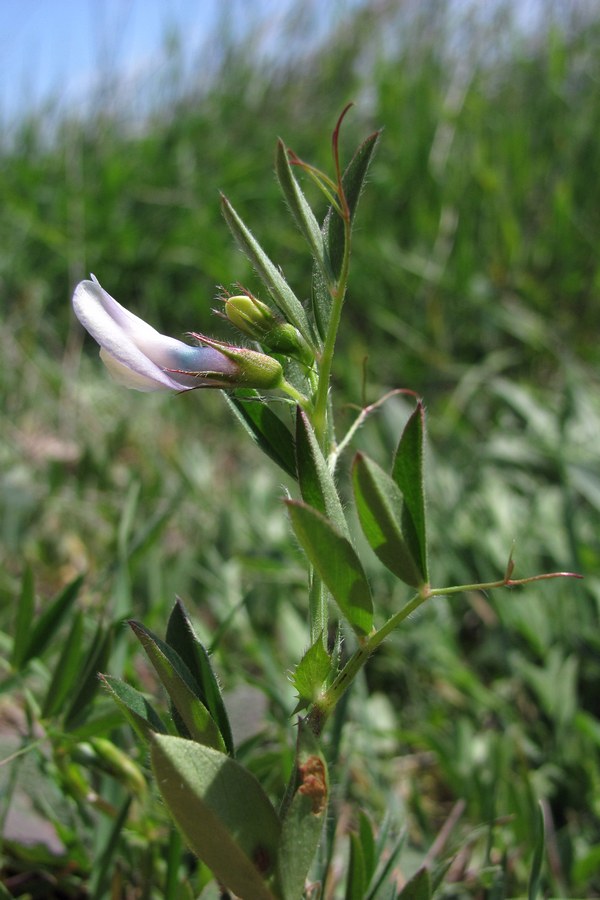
467, 751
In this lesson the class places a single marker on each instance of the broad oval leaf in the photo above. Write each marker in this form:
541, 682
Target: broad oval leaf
223, 813
335, 559
379, 505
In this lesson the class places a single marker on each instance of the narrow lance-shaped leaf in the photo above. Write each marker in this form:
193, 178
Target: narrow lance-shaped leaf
96, 660
180, 686
333, 229
104, 863
140, 714
314, 476
538, 855
335, 559
23, 619
418, 887
301, 211
182, 638
367, 842
278, 287
379, 506
223, 813
302, 822
44, 630
407, 472
265, 428
67, 670
356, 879
353, 181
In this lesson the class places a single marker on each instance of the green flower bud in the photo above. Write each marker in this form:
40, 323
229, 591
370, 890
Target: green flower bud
258, 321
247, 368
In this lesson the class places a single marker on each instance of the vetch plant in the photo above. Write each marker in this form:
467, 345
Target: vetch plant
255, 849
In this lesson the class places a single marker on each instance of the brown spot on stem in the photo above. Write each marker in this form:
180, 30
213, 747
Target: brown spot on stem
314, 782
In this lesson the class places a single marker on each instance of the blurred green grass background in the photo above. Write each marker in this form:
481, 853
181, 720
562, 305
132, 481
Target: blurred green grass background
475, 281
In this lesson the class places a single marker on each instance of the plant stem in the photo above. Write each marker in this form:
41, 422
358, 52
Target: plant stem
328, 700
302, 401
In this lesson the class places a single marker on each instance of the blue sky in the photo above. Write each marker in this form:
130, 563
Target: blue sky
59, 48
63, 48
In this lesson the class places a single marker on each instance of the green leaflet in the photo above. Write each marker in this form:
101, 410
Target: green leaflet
310, 673
23, 620
335, 559
182, 638
67, 670
265, 428
137, 710
314, 477
304, 816
190, 714
356, 881
418, 887
33, 639
407, 472
96, 658
379, 505
301, 211
282, 294
333, 229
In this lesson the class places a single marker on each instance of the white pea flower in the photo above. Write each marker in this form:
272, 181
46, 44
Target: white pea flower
140, 357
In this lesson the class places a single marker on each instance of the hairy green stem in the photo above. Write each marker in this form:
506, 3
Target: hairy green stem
302, 401
328, 700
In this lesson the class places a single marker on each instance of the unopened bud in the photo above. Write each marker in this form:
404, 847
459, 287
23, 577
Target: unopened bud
258, 321
248, 369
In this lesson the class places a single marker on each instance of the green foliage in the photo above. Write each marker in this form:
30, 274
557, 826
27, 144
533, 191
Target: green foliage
192, 718
222, 811
314, 476
266, 428
182, 639
335, 559
311, 673
304, 816
280, 291
474, 282
379, 505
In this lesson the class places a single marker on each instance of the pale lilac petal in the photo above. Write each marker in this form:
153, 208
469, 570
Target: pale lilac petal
137, 354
